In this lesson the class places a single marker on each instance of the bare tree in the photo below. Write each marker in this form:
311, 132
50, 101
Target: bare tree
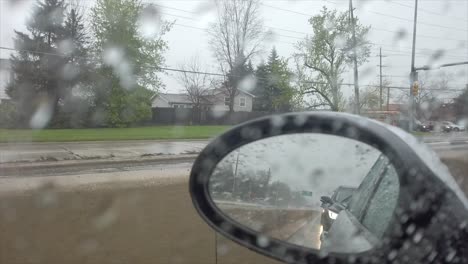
196, 83
370, 97
236, 37
430, 88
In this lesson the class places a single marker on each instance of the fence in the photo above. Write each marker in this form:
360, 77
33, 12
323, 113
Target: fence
187, 116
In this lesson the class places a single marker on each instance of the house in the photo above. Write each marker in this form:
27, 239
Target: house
172, 100
243, 101
5, 77
216, 99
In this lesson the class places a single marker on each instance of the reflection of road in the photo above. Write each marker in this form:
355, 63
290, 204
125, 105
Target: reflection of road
225, 203
308, 235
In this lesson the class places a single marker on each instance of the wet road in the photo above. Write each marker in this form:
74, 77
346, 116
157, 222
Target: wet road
143, 155
308, 235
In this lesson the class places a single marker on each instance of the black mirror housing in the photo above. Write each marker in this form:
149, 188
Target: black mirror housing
419, 226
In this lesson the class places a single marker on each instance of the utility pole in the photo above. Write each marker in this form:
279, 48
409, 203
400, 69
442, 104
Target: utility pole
380, 66
388, 98
381, 83
414, 74
235, 174
356, 74
414, 70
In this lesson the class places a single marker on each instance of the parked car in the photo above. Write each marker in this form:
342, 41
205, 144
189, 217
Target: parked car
448, 126
331, 206
425, 127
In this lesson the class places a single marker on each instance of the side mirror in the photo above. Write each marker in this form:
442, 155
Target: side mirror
261, 184
326, 200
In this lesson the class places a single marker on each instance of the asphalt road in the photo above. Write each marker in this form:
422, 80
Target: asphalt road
148, 204
308, 235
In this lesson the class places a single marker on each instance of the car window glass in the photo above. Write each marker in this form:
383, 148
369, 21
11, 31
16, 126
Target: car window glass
360, 197
382, 203
343, 195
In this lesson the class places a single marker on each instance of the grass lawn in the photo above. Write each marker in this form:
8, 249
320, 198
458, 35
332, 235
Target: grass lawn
103, 134
420, 134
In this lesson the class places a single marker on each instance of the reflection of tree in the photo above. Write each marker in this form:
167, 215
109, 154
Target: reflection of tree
252, 186
298, 200
260, 188
222, 178
242, 184
279, 194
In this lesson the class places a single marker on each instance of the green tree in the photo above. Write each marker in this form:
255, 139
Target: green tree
76, 46
37, 65
322, 58
280, 193
75, 106
274, 91
262, 101
131, 55
51, 60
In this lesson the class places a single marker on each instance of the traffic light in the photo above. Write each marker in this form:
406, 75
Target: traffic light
415, 88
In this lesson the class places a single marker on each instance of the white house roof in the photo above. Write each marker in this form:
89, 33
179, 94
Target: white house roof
175, 98
218, 90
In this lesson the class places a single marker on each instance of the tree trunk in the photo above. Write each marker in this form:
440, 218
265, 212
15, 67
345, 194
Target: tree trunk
232, 96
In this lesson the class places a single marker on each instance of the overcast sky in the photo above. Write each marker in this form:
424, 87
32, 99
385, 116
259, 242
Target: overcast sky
306, 162
443, 24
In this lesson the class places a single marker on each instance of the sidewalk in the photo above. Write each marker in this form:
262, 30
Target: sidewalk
26, 154
86, 151
444, 137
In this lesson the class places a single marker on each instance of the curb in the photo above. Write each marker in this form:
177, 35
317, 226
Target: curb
447, 143
10, 169
4, 143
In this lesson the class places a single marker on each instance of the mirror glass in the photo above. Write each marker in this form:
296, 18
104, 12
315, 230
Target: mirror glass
314, 190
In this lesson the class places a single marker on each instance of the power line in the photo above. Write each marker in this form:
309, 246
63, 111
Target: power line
422, 23
372, 28
426, 11
406, 19
399, 53
221, 74
287, 10
293, 31
184, 17
173, 8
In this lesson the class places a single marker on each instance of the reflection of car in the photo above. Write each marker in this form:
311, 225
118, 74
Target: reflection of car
332, 206
448, 126
368, 212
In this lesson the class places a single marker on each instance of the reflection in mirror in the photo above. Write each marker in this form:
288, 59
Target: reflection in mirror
314, 190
